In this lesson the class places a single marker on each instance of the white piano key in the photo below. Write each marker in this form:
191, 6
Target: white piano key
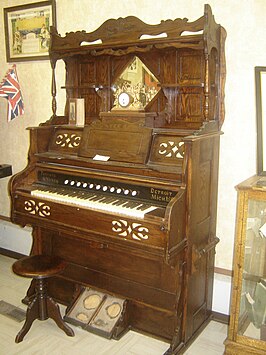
94, 201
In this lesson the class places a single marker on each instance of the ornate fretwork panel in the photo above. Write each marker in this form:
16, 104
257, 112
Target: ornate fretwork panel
40, 209
170, 149
127, 230
66, 140
167, 150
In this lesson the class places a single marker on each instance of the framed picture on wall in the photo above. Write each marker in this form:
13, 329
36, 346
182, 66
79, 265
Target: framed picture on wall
260, 80
27, 30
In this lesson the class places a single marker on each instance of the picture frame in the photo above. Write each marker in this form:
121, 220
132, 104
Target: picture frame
76, 112
27, 33
260, 86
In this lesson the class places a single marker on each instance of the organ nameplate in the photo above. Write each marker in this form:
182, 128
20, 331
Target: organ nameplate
101, 157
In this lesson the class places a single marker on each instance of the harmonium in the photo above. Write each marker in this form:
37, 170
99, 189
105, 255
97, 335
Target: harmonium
123, 186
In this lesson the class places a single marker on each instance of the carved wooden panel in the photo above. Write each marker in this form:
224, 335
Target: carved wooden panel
40, 209
191, 68
189, 105
92, 103
87, 72
66, 140
204, 190
168, 67
117, 140
128, 29
126, 230
167, 150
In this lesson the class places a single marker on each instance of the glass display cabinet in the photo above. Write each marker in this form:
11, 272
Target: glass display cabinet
247, 329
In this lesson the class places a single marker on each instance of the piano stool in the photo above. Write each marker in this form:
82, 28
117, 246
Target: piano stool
42, 306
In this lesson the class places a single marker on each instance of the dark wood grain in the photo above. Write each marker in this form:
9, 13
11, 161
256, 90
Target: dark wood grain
168, 153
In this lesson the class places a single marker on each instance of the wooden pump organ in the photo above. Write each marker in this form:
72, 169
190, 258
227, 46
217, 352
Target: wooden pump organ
129, 198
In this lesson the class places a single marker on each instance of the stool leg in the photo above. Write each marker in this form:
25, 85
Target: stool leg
54, 313
41, 293
42, 307
31, 293
31, 314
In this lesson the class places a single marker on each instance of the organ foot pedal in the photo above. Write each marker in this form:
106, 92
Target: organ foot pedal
99, 313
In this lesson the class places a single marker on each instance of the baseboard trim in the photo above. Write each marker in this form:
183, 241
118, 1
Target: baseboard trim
11, 254
220, 317
5, 218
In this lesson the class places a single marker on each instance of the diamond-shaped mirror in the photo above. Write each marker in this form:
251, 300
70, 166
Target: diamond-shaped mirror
135, 87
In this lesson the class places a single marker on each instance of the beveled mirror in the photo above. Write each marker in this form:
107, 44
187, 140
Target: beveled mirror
135, 87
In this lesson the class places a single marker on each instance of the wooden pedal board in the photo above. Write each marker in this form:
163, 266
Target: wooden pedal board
99, 313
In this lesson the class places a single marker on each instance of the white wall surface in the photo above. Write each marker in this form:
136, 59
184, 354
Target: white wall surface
245, 49
15, 238
221, 294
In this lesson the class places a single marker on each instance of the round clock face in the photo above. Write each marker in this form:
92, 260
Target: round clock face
124, 99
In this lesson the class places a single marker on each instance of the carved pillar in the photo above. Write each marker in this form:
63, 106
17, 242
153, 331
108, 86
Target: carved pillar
54, 104
206, 88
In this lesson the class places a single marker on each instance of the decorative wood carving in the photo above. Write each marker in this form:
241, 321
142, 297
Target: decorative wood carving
37, 208
126, 230
187, 67
125, 30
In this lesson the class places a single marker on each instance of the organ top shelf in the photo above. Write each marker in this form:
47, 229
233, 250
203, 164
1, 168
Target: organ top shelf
186, 58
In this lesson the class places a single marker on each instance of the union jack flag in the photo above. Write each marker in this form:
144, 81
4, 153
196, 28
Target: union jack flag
10, 89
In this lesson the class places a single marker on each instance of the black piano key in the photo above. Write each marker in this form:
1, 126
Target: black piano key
143, 207
127, 204
111, 199
105, 199
119, 202
133, 204
95, 198
102, 199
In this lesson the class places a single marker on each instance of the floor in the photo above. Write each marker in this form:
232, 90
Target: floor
46, 338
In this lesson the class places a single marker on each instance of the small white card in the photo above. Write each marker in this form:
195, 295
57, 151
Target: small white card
101, 157
262, 230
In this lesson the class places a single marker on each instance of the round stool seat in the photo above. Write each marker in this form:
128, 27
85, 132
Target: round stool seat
41, 306
39, 266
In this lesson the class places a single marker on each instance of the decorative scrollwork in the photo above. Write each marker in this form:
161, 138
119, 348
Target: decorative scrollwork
68, 140
37, 208
134, 230
172, 149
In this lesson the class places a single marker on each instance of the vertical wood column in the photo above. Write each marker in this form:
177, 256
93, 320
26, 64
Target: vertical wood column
54, 103
206, 88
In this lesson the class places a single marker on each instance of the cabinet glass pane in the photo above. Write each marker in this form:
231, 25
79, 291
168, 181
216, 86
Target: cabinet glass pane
253, 296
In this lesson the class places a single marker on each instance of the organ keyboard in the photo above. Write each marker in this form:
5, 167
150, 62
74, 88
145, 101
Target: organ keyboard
129, 200
105, 202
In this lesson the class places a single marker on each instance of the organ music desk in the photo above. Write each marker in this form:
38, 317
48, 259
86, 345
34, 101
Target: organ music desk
129, 199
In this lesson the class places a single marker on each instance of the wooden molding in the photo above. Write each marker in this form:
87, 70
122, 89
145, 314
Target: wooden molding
5, 218
222, 271
11, 253
220, 317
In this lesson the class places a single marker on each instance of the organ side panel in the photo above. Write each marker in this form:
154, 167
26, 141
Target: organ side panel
202, 229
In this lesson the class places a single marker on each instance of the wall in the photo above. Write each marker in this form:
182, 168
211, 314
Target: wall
245, 49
